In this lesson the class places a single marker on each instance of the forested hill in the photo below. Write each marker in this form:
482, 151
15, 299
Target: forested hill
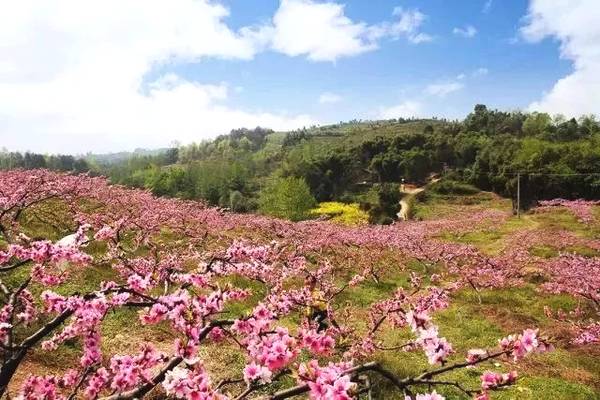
557, 157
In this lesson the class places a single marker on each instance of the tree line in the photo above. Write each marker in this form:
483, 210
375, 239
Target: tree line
359, 160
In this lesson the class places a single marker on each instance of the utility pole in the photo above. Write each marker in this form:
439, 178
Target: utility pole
519, 195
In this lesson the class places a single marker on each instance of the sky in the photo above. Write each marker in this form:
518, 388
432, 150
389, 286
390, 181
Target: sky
111, 75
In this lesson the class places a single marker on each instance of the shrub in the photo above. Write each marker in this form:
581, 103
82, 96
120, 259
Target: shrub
452, 187
288, 198
349, 214
237, 202
388, 204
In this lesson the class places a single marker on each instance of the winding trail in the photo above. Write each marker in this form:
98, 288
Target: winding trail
409, 192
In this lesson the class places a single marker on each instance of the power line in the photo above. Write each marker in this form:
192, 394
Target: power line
550, 174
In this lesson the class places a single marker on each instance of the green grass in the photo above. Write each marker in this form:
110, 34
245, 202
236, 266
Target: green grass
562, 219
467, 325
431, 205
491, 240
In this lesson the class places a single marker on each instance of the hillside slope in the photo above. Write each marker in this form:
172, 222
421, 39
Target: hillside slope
349, 162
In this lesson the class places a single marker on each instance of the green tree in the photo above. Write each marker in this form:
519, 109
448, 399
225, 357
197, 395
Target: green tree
536, 123
288, 198
388, 204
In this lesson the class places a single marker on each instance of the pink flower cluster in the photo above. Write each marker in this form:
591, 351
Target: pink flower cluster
493, 380
436, 349
96, 382
24, 310
50, 259
413, 310
475, 355
588, 333
41, 388
417, 306
518, 346
427, 396
576, 275
254, 372
45, 251
273, 350
266, 264
192, 383
129, 371
318, 343
87, 315
330, 382
105, 233
125, 372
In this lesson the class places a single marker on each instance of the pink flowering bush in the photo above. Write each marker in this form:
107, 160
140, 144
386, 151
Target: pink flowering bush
178, 265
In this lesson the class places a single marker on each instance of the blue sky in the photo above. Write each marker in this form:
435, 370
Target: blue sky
517, 71
88, 75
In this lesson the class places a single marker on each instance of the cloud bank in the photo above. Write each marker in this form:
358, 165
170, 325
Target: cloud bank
575, 24
73, 73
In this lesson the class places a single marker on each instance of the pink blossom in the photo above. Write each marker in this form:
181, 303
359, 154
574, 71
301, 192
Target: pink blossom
190, 384
257, 373
105, 233
475, 355
430, 396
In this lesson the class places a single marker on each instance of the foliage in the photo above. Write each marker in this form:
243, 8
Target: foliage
12, 160
237, 202
556, 157
388, 204
328, 176
288, 198
450, 187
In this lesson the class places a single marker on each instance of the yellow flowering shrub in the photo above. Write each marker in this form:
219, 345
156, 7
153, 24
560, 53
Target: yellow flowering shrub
348, 214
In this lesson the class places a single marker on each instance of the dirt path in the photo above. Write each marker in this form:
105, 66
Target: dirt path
409, 193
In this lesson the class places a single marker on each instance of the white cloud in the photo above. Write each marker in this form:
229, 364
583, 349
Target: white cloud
420, 38
72, 74
406, 109
443, 89
322, 32
409, 22
468, 31
575, 24
480, 72
487, 6
329, 98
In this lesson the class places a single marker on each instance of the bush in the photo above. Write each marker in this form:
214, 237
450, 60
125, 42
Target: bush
349, 214
288, 198
453, 187
237, 202
388, 204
